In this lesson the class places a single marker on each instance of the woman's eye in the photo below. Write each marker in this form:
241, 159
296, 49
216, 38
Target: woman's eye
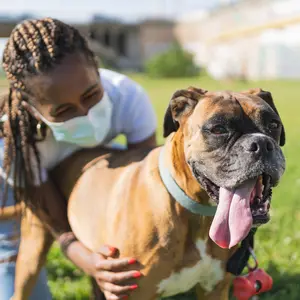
219, 129
273, 125
92, 95
64, 111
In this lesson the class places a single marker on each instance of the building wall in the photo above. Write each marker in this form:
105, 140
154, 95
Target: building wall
6, 28
141, 41
135, 49
229, 41
232, 42
125, 54
155, 38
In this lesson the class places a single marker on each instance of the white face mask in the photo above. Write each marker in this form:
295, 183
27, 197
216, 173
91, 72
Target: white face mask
85, 131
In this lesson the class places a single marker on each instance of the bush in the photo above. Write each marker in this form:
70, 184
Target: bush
176, 62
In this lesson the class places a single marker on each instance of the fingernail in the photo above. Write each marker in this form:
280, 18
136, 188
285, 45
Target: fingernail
125, 297
131, 261
134, 287
137, 275
112, 249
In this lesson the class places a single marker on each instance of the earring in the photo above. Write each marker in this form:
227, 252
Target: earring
39, 132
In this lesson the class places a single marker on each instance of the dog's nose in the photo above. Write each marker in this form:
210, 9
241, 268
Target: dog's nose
259, 145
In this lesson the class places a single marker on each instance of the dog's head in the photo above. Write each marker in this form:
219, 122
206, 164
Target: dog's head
232, 145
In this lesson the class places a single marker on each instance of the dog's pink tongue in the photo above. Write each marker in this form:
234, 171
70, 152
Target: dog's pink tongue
233, 219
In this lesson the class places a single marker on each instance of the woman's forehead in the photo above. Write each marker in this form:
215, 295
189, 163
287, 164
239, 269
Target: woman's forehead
69, 79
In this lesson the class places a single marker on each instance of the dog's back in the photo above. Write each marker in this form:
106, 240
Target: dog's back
100, 185
66, 174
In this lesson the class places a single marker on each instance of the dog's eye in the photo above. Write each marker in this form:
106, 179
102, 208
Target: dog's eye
219, 129
273, 125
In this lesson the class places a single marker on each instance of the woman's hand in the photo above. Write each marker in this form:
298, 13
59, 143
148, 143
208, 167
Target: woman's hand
110, 275
109, 272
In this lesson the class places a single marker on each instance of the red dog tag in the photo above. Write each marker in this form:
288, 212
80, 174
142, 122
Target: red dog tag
261, 280
255, 282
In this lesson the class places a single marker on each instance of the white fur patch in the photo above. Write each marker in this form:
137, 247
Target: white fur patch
207, 272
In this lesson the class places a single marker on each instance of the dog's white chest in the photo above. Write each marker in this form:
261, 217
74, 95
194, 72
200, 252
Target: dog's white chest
207, 272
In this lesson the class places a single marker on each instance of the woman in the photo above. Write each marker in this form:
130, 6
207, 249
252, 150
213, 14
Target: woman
56, 105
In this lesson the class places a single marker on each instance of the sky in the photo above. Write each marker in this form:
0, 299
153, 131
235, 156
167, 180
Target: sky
81, 10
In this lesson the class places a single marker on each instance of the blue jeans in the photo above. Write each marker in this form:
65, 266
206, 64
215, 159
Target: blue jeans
9, 246
7, 277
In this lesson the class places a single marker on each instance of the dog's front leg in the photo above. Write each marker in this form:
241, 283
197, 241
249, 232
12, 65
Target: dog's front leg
36, 241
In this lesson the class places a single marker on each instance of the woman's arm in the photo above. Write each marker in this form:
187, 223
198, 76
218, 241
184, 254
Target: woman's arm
51, 216
36, 241
10, 212
149, 142
39, 226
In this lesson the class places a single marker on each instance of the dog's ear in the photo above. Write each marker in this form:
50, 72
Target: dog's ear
267, 96
170, 125
181, 104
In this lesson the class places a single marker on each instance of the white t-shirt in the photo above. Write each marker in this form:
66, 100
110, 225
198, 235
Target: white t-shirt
133, 116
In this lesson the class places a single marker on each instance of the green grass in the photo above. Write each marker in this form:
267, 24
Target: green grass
278, 242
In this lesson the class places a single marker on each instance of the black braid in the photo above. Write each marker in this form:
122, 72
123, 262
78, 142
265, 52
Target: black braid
34, 47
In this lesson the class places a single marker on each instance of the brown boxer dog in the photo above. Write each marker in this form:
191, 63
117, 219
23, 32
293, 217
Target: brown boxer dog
182, 209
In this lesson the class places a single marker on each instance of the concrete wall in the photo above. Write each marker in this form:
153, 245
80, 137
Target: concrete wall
238, 40
6, 28
140, 41
155, 38
134, 49
250, 38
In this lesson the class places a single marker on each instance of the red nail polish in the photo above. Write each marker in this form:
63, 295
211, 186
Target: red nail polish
125, 297
134, 287
112, 249
131, 261
137, 275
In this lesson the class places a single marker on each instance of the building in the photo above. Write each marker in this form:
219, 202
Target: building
252, 39
118, 44
133, 44
248, 39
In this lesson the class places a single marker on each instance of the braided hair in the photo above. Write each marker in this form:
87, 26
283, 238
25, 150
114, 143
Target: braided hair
34, 48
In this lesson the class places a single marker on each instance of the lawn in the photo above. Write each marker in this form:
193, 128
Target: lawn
277, 243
